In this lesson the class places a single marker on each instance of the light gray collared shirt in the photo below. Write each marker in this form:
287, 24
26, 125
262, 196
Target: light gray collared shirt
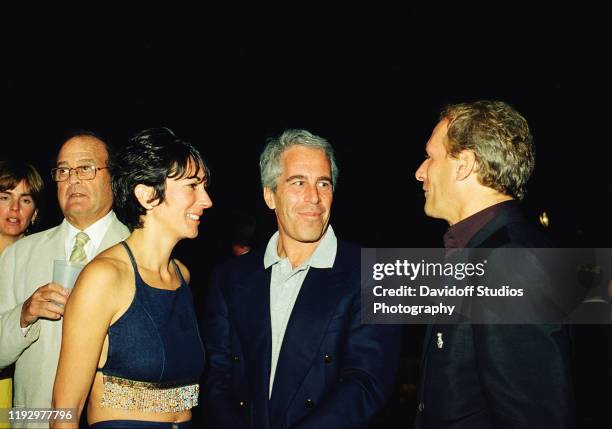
285, 285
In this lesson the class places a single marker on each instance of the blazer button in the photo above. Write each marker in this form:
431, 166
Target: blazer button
236, 358
308, 403
421, 406
242, 403
327, 359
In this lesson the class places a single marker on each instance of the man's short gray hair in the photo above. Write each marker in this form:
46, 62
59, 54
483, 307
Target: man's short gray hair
269, 161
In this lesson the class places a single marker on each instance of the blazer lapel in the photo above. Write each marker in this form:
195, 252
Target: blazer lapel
52, 245
312, 312
56, 245
250, 306
434, 325
486, 236
116, 232
426, 339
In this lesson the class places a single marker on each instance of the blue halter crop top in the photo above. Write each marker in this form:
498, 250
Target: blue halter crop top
155, 354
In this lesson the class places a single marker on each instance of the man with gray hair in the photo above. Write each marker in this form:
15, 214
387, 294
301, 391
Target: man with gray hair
283, 325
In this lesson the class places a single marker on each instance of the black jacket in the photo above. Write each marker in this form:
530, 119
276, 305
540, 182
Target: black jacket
497, 376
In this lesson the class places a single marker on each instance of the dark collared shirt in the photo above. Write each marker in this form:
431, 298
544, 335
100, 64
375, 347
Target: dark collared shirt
460, 234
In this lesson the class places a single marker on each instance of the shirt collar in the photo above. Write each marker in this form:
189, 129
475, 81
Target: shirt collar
460, 234
95, 231
323, 256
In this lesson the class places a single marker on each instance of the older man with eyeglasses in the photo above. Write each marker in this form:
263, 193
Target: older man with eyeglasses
31, 305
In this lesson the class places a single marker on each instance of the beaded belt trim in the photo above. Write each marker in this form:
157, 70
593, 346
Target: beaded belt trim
126, 394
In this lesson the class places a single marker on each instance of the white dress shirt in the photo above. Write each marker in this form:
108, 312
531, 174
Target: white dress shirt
95, 231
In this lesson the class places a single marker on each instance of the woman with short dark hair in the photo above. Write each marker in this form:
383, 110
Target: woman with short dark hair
130, 337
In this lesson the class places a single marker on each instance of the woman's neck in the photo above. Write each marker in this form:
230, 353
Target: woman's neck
152, 250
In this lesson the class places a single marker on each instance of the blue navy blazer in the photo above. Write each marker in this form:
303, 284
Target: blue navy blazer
332, 372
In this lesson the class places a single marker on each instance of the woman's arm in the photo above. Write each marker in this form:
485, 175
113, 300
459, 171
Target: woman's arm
88, 314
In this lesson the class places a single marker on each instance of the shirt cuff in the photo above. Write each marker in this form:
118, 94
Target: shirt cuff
25, 330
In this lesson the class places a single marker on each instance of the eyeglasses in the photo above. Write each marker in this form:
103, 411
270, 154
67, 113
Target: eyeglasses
83, 172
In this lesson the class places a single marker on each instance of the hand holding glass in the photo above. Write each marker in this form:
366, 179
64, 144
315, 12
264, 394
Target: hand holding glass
66, 273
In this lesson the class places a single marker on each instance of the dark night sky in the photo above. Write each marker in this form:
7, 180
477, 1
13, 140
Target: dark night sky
369, 78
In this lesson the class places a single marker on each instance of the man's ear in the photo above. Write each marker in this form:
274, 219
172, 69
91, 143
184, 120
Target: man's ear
268, 195
34, 216
466, 164
144, 195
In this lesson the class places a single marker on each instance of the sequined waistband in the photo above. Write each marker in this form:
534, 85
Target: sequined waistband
126, 394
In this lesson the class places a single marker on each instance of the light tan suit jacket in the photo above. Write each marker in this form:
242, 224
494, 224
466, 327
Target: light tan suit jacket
24, 267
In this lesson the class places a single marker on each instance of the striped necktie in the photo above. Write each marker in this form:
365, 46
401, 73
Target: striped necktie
78, 255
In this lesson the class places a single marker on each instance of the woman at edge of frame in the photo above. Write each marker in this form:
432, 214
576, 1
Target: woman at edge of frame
21, 190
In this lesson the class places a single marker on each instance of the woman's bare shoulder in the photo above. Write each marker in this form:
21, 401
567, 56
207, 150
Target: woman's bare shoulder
106, 273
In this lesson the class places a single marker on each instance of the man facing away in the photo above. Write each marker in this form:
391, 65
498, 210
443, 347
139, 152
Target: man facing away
30, 303
479, 158
283, 326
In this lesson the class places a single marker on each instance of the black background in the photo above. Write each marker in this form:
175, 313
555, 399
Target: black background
369, 77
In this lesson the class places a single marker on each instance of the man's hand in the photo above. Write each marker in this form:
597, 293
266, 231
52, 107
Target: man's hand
48, 302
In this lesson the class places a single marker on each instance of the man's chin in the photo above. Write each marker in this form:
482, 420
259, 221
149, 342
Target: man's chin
430, 211
76, 210
312, 235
